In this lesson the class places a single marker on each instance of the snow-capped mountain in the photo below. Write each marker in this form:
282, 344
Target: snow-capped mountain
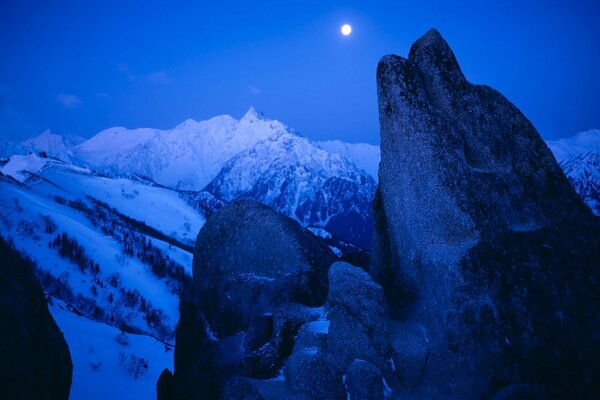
50, 142
271, 160
583, 171
299, 179
186, 157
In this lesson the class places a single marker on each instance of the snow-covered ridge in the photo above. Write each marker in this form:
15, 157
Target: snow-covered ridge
186, 157
575, 145
366, 156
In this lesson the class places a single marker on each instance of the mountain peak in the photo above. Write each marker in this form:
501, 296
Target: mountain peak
253, 115
436, 60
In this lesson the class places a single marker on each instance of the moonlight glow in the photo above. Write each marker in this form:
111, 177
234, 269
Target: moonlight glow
346, 29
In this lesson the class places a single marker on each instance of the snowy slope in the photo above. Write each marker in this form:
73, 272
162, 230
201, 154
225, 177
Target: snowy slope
366, 156
303, 181
575, 145
583, 171
157, 206
188, 156
102, 367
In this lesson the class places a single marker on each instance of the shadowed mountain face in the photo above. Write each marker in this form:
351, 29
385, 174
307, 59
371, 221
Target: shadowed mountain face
34, 358
479, 235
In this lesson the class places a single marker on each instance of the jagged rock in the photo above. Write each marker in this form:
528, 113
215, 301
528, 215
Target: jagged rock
479, 236
249, 260
314, 374
358, 317
364, 381
35, 362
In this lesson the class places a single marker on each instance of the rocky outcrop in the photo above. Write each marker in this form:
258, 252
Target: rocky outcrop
257, 278
479, 236
35, 362
353, 342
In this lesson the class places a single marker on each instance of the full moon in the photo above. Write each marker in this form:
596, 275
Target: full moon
346, 29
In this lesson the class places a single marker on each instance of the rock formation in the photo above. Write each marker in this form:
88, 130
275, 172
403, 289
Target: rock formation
479, 237
35, 362
258, 277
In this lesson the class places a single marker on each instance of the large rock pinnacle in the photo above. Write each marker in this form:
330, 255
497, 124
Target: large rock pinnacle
479, 236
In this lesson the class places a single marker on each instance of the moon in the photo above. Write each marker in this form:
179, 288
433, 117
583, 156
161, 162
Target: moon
346, 29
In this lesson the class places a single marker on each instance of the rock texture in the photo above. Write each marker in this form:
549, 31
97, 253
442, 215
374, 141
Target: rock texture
479, 236
35, 362
364, 381
249, 260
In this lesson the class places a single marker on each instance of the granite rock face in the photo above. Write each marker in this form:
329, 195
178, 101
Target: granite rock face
479, 236
35, 362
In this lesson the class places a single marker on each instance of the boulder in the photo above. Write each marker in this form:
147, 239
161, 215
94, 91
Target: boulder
364, 381
35, 362
249, 260
479, 236
314, 374
358, 317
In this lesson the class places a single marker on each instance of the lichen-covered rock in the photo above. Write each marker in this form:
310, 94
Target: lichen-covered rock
249, 260
479, 236
358, 317
35, 362
364, 381
314, 374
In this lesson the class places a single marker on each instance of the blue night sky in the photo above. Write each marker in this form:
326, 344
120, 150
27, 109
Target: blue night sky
79, 67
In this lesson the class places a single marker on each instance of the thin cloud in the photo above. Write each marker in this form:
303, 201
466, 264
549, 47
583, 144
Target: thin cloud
253, 90
68, 101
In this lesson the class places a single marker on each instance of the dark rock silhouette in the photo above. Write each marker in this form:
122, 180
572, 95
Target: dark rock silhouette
479, 236
35, 362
